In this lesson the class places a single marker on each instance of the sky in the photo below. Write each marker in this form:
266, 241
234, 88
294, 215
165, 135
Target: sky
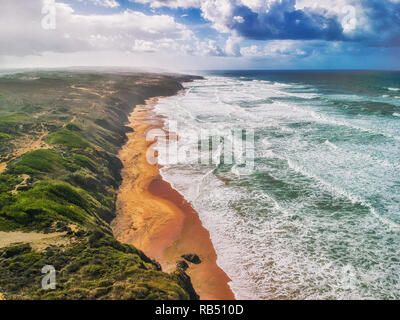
180, 35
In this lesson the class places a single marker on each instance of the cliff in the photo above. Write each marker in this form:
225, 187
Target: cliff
60, 133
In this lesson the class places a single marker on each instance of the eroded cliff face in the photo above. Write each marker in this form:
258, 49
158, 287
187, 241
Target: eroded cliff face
60, 135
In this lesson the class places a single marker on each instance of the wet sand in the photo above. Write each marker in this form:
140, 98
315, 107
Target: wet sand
155, 218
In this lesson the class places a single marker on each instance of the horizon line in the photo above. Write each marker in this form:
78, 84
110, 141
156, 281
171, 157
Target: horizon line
153, 69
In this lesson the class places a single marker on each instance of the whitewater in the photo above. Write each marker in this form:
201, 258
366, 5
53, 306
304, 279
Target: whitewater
319, 216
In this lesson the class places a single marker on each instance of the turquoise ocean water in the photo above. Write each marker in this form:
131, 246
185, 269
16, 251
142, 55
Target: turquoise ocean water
319, 217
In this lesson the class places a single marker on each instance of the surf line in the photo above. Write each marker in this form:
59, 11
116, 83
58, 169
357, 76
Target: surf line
157, 219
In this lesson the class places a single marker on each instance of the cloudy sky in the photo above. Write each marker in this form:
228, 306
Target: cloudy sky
201, 34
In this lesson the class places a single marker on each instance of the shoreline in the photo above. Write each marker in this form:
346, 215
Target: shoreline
155, 218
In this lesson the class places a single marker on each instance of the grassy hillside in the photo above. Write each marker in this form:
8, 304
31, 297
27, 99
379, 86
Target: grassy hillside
60, 133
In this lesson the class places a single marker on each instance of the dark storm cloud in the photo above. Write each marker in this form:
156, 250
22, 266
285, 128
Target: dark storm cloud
377, 22
384, 23
282, 21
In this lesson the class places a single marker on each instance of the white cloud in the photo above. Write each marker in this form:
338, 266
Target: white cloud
277, 49
238, 19
106, 3
351, 13
130, 34
334, 21
205, 48
219, 12
21, 31
210, 48
257, 5
170, 3
143, 46
232, 46
102, 3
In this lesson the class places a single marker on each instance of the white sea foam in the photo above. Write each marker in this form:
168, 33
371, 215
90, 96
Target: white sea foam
343, 193
273, 233
330, 144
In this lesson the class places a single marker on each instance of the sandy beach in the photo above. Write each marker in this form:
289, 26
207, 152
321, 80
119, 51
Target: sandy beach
155, 218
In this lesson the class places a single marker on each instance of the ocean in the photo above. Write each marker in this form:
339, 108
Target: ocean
318, 217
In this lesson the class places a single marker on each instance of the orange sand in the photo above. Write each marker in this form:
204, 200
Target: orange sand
155, 218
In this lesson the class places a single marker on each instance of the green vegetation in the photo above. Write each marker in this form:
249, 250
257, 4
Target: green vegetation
73, 126
38, 161
17, 117
84, 162
97, 268
70, 186
68, 139
11, 122
4, 136
49, 202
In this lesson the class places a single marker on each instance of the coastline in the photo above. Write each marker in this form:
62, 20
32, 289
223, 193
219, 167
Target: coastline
77, 171
155, 218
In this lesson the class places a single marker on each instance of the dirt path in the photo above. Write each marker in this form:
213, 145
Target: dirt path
25, 146
3, 167
38, 241
31, 145
91, 91
72, 120
24, 183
